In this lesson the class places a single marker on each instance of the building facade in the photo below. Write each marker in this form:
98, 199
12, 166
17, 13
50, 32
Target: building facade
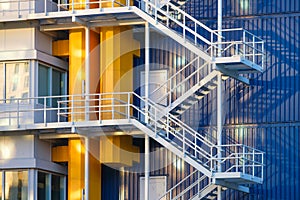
149, 99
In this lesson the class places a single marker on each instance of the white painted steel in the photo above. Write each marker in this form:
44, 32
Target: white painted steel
186, 142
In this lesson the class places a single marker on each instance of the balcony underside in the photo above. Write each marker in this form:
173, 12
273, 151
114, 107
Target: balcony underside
238, 64
91, 128
236, 177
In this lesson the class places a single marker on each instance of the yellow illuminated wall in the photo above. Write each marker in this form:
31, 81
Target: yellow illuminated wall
117, 48
111, 63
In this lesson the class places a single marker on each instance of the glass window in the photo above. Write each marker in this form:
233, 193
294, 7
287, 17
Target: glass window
16, 74
43, 186
47, 77
16, 185
57, 188
43, 82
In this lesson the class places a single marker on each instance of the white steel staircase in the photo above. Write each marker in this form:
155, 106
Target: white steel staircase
232, 57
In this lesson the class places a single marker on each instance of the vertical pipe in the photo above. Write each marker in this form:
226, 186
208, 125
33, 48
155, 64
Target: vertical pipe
86, 168
147, 149
87, 71
219, 127
219, 26
147, 66
219, 94
147, 166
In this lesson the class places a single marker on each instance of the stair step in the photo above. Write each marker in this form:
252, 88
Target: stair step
212, 85
199, 95
192, 99
186, 105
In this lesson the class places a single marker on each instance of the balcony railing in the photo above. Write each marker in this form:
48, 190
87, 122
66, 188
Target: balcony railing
67, 110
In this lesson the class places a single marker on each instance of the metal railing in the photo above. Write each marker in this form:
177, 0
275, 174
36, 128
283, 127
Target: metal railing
242, 158
183, 80
214, 43
188, 187
68, 109
249, 46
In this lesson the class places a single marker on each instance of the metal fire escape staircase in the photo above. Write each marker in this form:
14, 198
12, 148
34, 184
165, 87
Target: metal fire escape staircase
241, 165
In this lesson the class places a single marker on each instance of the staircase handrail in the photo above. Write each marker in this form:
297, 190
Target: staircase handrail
179, 122
154, 7
169, 83
178, 184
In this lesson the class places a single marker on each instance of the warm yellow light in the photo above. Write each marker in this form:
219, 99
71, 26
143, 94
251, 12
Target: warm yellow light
5, 152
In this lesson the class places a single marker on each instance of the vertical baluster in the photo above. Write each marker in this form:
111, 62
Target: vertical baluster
72, 108
168, 15
129, 106
195, 35
99, 107
45, 7
18, 113
253, 43
113, 108
45, 111
253, 162
244, 43
243, 159
184, 28
58, 111
155, 118
236, 159
183, 142
19, 7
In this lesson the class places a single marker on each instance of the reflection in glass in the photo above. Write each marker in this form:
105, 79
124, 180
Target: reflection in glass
43, 186
56, 193
16, 185
43, 82
16, 75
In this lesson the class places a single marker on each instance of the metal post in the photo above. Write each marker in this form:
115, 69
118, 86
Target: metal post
147, 167
58, 111
253, 162
86, 169
219, 26
45, 111
219, 95
147, 68
147, 149
243, 159
45, 7
87, 72
18, 114
219, 128
128, 106
253, 43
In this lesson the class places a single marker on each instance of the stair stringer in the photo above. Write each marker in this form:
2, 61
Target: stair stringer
190, 92
172, 148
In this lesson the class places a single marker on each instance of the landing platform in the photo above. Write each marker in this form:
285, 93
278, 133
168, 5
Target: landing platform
237, 177
238, 64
